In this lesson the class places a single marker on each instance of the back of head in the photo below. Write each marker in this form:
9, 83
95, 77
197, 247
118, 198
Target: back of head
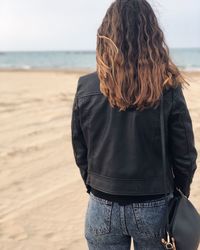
133, 62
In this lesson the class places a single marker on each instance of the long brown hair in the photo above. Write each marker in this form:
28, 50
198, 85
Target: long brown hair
133, 62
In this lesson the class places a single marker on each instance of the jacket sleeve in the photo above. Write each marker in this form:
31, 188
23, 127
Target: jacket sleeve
181, 143
78, 142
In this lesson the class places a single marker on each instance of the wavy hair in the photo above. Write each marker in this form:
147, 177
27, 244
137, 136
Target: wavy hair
133, 62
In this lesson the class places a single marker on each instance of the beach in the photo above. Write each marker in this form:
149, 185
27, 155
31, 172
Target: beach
43, 198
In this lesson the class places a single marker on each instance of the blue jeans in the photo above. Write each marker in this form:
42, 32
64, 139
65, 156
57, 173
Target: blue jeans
110, 226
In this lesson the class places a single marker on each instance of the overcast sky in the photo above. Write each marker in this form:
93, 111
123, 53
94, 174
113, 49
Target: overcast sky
72, 24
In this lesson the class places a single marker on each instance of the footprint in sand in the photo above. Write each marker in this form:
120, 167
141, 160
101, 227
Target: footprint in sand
20, 236
14, 232
51, 236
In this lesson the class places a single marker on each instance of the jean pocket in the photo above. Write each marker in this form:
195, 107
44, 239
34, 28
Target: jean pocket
98, 217
149, 217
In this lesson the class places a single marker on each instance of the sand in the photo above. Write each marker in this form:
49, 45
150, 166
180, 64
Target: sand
42, 197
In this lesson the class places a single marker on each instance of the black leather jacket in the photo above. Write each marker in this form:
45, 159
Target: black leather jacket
119, 152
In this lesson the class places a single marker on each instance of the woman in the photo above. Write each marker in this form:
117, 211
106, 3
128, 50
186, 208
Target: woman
116, 131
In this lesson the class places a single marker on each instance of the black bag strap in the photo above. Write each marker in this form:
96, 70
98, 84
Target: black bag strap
162, 130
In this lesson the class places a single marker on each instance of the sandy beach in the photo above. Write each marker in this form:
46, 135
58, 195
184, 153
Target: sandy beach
43, 199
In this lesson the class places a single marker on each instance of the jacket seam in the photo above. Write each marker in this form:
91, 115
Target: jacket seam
120, 179
74, 125
188, 146
91, 94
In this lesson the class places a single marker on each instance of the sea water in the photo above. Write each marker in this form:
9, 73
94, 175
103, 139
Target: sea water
185, 59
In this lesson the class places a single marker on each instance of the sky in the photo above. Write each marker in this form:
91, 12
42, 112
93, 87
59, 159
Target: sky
72, 24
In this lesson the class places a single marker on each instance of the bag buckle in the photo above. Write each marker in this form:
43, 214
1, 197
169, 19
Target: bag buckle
169, 244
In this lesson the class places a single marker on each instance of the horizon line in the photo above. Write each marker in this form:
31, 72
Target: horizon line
74, 51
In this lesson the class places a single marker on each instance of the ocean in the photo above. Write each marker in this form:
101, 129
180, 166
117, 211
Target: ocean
185, 59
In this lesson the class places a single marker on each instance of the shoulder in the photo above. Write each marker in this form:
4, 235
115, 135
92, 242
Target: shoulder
177, 94
173, 92
179, 104
88, 84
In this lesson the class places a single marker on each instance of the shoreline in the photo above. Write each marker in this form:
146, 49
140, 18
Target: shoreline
78, 70
71, 70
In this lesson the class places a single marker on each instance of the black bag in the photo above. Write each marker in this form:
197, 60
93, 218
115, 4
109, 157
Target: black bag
182, 220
